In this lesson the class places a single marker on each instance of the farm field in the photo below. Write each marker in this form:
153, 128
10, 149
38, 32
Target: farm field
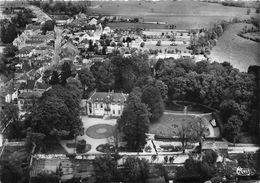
184, 14
240, 52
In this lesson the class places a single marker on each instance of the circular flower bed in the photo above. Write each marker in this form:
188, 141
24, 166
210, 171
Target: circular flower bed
106, 148
100, 131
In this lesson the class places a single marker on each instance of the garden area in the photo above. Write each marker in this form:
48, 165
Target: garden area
169, 124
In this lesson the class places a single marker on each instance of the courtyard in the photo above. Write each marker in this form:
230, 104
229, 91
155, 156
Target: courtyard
99, 132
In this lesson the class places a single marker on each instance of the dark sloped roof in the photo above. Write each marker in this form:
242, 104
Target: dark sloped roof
26, 50
27, 86
107, 97
40, 85
29, 95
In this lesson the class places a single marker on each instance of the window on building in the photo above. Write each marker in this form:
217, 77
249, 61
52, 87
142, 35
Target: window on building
119, 112
114, 112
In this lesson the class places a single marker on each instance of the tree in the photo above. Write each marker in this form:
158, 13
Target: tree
54, 78
87, 80
15, 130
163, 88
57, 114
44, 177
13, 168
136, 170
10, 173
47, 26
10, 51
103, 74
248, 11
152, 97
202, 66
134, 122
81, 146
105, 169
232, 128
159, 43
9, 114
191, 132
69, 94
65, 72
35, 141
8, 32
46, 77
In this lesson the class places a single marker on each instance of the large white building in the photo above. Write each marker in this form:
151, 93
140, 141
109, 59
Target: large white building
109, 104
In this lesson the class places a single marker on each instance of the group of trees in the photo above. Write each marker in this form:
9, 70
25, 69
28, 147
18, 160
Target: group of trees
207, 169
47, 26
206, 39
134, 170
119, 73
56, 113
8, 31
10, 28
59, 7
217, 85
23, 18
8, 60
15, 168
144, 106
54, 77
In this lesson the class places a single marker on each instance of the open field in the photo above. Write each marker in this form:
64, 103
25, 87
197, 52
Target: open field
240, 52
184, 14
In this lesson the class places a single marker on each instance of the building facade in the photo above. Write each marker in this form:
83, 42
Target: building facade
109, 104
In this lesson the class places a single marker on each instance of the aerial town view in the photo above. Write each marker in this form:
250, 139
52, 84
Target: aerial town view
130, 91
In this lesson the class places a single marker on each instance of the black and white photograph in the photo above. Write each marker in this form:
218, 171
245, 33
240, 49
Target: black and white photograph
129, 91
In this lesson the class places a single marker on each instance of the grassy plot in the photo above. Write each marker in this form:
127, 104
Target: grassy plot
169, 124
240, 52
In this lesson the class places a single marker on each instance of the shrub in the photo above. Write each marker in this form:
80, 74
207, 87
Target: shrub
148, 149
81, 146
159, 43
106, 148
71, 145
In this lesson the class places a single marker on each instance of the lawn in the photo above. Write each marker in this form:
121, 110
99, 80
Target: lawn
169, 123
184, 14
240, 52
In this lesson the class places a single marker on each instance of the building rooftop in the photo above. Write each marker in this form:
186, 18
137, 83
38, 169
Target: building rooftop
28, 85
30, 95
109, 97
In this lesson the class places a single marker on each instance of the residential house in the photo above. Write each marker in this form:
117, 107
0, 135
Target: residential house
106, 104
93, 21
69, 50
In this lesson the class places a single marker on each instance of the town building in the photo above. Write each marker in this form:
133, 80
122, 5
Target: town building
109, 104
